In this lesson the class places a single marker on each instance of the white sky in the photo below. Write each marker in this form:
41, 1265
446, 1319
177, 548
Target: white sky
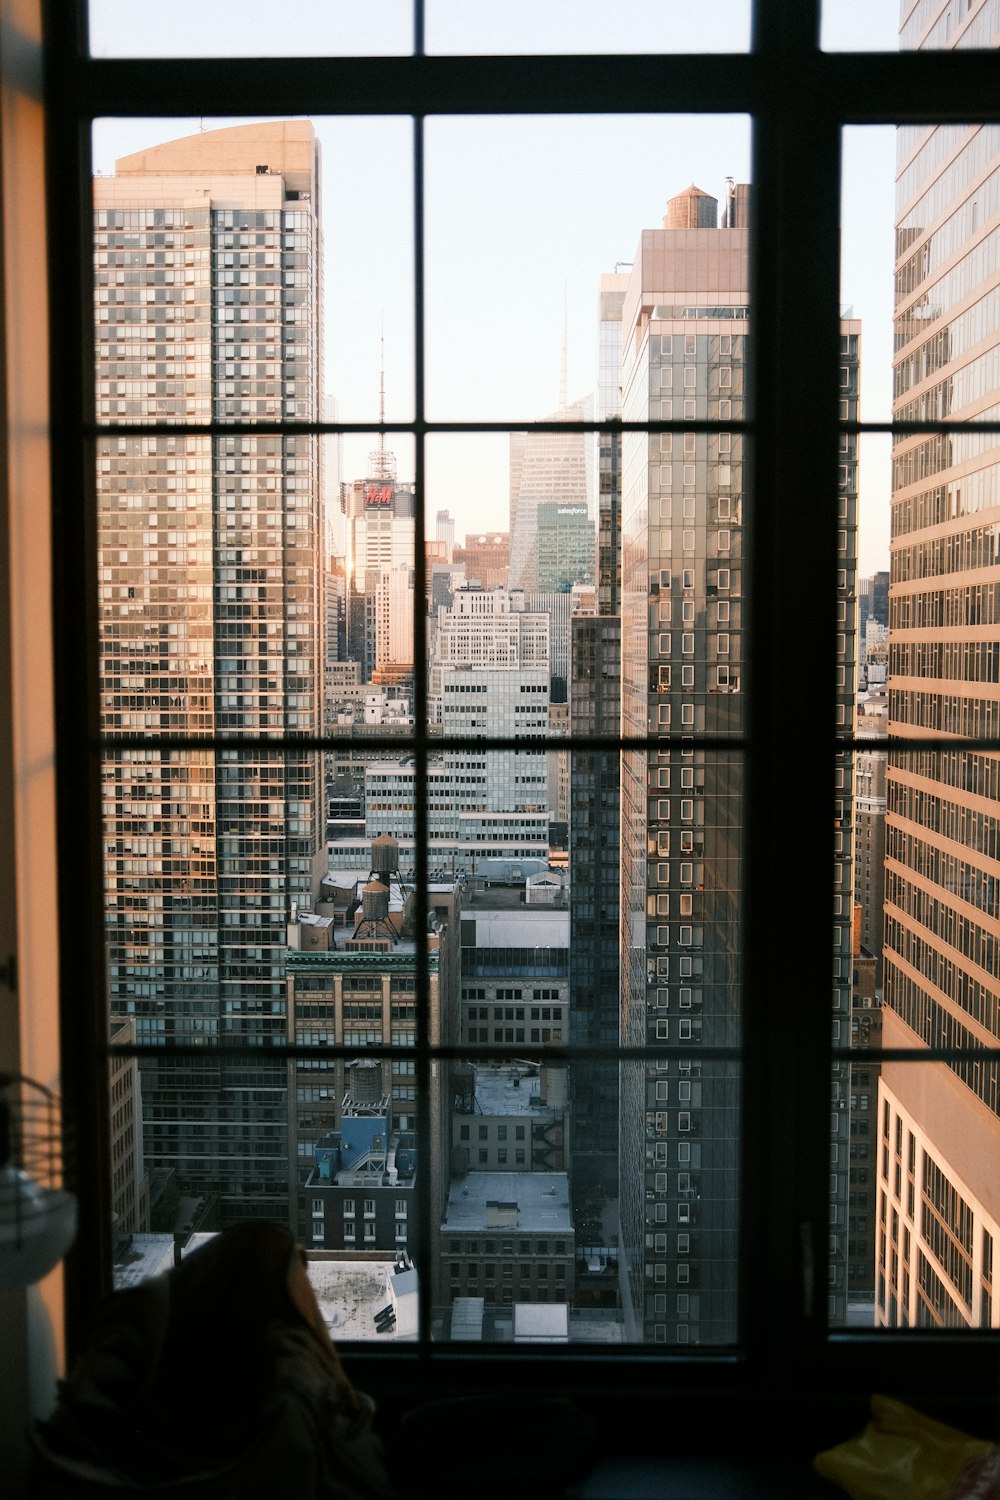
522, 215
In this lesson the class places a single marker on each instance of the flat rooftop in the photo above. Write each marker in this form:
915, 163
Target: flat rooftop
349, 1292
150, 1255
510, 1091
541, 1322
542, 1200
489, 895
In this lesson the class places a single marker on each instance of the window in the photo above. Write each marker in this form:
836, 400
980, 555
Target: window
782, 455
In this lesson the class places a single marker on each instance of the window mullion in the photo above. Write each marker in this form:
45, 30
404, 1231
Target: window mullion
793, 544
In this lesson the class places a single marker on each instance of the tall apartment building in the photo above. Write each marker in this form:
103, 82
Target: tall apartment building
685, 326
207, 273
939, 1183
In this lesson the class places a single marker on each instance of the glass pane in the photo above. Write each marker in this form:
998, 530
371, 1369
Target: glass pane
934, 1235
231, 280
874, 515
370, 588
861, 25
914, 1239
857, 1006
679, 1198
884, 25
249, 28
681, 885
945, 485
508, 1259
548, 26
534, 273
366, 1299
234, 877
866, 263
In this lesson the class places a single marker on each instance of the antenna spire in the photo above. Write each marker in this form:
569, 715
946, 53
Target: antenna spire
381, 393
381, 462
565, 354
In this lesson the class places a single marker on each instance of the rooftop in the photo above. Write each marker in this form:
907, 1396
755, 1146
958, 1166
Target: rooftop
150, 1255
349, 1292
540, 1202
510, 1090
541, 1322
492, 896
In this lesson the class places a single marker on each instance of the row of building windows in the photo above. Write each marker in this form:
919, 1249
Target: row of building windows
976, 831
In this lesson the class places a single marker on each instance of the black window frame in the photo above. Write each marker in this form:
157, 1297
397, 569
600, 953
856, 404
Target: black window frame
798, 98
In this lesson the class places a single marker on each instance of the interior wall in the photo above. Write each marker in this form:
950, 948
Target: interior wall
31, 1322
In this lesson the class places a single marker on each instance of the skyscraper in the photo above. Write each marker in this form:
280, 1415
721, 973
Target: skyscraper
544, 466
685, 327
207, 271
939, 1185
595, 709
565, 546
684, 333
380, 541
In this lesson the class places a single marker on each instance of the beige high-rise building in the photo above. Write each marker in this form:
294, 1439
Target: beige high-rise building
939, 1146
208, 290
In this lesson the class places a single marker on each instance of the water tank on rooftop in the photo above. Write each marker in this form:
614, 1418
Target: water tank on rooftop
365, 1081
385, 855
692, 209
375, 902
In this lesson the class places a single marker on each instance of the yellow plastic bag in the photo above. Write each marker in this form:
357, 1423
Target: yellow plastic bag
903, 1455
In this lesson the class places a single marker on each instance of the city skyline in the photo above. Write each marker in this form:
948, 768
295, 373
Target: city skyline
545, 257
676, 279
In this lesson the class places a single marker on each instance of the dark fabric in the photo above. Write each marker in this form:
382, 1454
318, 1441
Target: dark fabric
209, 1383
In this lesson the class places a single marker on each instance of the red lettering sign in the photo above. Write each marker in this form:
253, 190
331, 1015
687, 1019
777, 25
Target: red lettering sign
378, 494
